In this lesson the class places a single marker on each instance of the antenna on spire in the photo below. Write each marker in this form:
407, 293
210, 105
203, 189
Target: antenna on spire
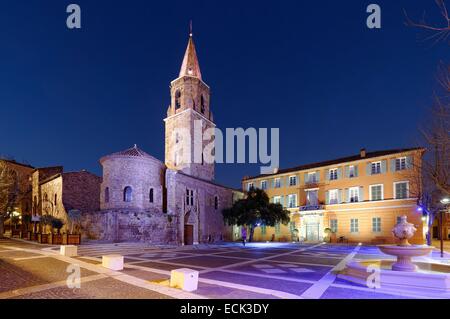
190, 28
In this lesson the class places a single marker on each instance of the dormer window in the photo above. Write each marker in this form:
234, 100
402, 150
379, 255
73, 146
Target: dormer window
177, 99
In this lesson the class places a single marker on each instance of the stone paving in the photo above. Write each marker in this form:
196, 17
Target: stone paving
231, 271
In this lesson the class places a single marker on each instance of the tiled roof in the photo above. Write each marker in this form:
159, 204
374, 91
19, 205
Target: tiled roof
338, 161
134, 152
190, 65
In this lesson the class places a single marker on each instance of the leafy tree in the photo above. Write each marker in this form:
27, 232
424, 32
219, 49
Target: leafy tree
254, 210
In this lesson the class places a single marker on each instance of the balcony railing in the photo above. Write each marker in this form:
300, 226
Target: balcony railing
311, 207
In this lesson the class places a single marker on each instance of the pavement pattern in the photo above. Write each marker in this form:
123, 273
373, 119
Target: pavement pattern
227, 271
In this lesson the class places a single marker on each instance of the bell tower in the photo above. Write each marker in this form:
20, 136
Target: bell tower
188, 117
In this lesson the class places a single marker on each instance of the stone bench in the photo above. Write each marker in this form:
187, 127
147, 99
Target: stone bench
68, 250
184, 278
113, 262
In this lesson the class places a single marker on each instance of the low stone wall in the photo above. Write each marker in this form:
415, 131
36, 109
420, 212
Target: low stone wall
130, 225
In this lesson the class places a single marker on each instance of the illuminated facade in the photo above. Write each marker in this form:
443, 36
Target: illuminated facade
355, 199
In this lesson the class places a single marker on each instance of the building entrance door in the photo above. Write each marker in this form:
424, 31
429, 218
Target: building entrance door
312, 232
188, 234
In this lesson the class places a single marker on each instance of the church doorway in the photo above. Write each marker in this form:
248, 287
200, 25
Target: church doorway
188, 234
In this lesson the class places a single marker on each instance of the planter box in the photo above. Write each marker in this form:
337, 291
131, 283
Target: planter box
56, 239
71, 239
43, 238
16, 233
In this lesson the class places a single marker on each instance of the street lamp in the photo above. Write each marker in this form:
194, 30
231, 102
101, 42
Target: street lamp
444, 201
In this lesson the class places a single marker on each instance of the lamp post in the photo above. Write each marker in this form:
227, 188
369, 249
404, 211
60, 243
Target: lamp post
444, 201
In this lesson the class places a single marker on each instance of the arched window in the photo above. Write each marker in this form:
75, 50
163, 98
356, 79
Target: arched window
202, 104
151, 195
127, 194
177, 99
107, 195
216, 202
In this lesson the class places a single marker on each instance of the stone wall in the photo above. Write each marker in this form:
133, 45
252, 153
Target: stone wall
148, 226
139, 173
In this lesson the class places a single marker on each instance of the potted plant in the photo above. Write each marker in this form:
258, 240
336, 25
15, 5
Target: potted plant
74, 237
56, 239
46, 220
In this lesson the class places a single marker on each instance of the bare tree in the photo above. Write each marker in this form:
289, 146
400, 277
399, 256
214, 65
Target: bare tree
9, 193
432, 177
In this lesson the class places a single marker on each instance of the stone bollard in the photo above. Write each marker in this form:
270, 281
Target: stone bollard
68, 250
113, 262
184, 278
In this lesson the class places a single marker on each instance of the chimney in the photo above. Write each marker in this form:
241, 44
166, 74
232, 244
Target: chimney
362, 152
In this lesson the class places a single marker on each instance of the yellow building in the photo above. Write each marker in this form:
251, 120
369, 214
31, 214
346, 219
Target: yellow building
359, 198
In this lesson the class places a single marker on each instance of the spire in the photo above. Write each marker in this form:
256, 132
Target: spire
190, 66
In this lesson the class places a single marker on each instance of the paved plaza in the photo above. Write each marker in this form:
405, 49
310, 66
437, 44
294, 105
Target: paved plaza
227, 271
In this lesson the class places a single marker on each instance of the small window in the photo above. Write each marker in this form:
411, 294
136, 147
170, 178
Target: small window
45, 197
401, 190
333, 174
376, 168
354, 225
250, 186
400, 164
376, 192
151, 195
216, 202
292, 180
189, 197
399, 219
202, 104
376, 224
354, 194
56, 199
333, 197
277, 183
277, 200
334, 225
292, 201
107, 195
177, 99
127, 194
264, 185
351, 171
311, 178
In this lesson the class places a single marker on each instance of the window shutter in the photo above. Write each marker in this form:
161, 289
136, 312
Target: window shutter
317, 176
356, 171
383, 166
361, 194
287, 181
392, 164
340, 196
339, 173
369, 169
346, 195
327, 198
281, 182
327, 175
286, 198
347, 171
409, 162
306, 178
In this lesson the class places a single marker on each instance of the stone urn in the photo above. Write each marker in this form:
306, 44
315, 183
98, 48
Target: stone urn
404, 231
404, 251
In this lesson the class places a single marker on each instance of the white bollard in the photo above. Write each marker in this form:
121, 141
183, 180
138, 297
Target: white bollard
113, 262
68, 250
184, 278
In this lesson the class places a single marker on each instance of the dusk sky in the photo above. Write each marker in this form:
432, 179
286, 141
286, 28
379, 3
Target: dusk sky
311, 68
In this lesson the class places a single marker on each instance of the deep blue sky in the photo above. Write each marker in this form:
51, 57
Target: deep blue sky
311, 68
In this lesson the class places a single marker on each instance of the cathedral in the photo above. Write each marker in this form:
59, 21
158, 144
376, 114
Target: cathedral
176, 202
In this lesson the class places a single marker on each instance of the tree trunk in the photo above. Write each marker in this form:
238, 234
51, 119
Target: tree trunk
252, 231
2, 226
